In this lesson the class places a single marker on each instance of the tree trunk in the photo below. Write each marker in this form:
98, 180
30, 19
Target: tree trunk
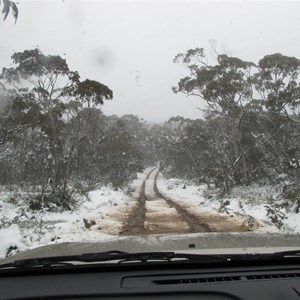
67, 173
55, 171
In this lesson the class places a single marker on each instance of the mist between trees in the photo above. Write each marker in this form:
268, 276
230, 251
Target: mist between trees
55, 138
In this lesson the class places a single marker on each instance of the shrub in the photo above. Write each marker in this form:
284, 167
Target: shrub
276, 215
291, 193
52, 199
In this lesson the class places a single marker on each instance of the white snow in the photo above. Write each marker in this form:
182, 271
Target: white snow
248, 201
137, 183
28, 229
106, 212
9, 237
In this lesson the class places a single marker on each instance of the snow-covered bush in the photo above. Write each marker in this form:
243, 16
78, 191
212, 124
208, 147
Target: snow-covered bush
276, 215
52, 199
255, 193
291, 193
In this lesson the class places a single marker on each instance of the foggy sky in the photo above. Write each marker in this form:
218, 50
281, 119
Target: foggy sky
130, 46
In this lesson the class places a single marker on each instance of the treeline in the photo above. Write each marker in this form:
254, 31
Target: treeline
54, 135
251, 128
108, 151
204, 151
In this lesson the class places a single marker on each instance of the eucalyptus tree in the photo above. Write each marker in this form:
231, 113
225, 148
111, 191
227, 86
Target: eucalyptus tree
45, 90
118, 155
9, 6
278, 83
226, 87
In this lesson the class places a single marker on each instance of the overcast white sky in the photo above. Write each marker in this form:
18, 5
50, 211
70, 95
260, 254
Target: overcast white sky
130, 46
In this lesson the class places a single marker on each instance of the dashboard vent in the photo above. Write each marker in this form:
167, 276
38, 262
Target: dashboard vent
226, 278
272, 276
198, 280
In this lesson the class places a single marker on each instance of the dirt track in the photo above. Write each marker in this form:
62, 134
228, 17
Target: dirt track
155, 213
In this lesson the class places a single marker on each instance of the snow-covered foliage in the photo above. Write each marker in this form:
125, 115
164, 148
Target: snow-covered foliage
93, 218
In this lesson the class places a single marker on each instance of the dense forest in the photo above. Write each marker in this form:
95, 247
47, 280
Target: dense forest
54, 138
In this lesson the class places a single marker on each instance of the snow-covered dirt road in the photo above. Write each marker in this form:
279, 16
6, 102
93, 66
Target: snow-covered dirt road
157, 213
152, 205
153, 214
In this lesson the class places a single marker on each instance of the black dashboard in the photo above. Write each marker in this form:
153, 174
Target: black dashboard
135, 281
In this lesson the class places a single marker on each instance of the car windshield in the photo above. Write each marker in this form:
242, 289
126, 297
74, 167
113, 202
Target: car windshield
129, 119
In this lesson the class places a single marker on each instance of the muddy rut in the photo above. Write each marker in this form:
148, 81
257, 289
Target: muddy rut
195, 225
136, 220
156, 213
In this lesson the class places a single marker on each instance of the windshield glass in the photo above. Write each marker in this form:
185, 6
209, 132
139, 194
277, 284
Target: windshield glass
124, 119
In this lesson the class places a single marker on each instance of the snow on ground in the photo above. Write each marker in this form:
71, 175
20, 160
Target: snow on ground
10, 238
249, 201
22, 228
137, 183
150, 183
102, 214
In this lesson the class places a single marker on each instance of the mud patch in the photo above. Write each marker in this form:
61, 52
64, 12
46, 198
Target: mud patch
166, 227
155, 213
218, 222
156, 204
108, 226
120, 215
111, 223
170, 215
163, 219
135, 221
195, 224
200, 220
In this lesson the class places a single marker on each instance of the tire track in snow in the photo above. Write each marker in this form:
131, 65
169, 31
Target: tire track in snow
200, 220
160, 216
135, 223
155, 213
192, 221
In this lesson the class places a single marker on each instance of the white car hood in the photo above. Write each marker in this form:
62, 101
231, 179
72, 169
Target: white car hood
202, 243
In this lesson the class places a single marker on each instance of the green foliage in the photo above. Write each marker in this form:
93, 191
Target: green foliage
247, 139
53, 132
225, 86
93, 91
9, 6
278, 82
47, 128
120, 158
291, 192
54, 93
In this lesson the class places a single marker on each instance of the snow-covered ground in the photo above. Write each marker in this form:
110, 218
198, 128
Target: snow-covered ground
102, 214
249, 201
21, 228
